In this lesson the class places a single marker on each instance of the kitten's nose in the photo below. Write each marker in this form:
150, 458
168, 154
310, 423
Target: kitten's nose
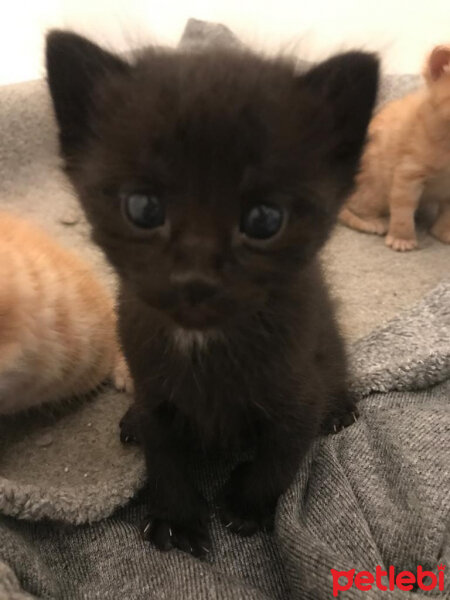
196, 292
194, 288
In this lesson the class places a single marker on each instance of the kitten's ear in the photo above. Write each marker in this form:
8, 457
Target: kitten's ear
74, 66
438, 63
348, 85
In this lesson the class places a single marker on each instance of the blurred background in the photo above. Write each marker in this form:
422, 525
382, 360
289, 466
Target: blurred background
402, 30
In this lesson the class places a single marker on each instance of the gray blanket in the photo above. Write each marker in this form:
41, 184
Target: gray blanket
377, 493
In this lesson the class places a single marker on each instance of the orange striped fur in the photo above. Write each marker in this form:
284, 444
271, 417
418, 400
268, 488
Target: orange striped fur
57, 322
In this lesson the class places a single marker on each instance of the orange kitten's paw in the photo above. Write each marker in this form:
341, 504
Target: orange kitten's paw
441, 233
121, 377
378, 226
399, 244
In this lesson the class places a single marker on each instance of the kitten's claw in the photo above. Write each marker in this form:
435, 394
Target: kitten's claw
129, 427
191, 537
146, 529
245, 526
400, 244
336, 422
241, 514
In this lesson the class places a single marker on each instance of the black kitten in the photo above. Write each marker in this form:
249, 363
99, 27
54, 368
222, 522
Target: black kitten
211, 180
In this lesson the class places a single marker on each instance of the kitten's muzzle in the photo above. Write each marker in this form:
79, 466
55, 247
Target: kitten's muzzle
197, 292
196, 302
193, 287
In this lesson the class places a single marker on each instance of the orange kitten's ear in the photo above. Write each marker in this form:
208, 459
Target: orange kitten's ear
438, 62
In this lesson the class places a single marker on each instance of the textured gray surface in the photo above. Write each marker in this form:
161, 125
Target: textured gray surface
377, 493
84, 473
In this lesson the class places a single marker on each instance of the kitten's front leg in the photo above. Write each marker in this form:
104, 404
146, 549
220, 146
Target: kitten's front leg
403, 202
178, 516
249, 498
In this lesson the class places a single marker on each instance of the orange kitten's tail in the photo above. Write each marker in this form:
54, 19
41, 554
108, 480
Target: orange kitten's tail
377, 225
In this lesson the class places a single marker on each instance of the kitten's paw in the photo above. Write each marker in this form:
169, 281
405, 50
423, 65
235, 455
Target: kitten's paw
378, 226
336, 422
243, 505
121, 377
129, 426
400, 244
440, 232
191, 537
243, 524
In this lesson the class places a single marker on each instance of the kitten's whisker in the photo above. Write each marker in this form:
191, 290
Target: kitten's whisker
147, 527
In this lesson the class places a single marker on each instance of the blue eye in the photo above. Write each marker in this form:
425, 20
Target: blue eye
144, 210
261, 221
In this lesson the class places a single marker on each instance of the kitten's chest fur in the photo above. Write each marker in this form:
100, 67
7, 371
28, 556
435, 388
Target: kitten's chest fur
213, 385
220, 387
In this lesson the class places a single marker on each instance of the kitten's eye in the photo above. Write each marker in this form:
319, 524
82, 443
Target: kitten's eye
144, 210
261, 221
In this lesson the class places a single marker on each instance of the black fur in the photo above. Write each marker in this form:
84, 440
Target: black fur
208, 132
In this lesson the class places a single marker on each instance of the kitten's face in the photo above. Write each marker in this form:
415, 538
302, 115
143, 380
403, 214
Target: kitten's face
210, 179
200, 196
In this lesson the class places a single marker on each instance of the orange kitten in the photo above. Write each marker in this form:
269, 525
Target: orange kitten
57, 323
407, 160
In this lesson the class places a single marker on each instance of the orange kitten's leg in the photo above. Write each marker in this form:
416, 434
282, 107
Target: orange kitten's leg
121, 375
441, 227
404, 200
